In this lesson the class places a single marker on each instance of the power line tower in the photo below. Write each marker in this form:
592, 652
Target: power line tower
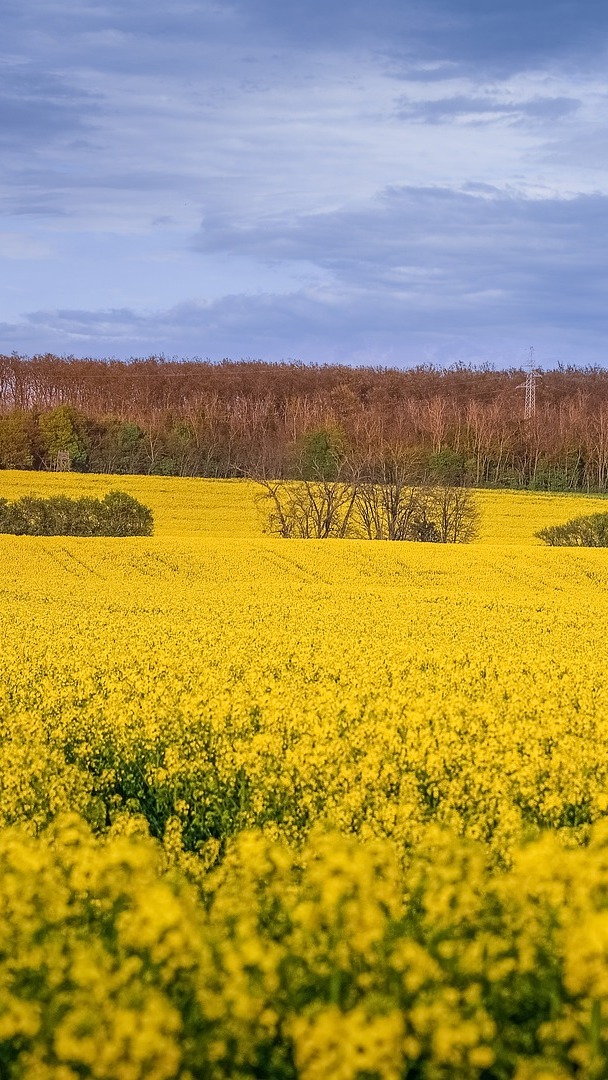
529, 386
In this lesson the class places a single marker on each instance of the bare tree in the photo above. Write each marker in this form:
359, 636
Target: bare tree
308, 509
454, 513
277, 506
387, 501
391, 507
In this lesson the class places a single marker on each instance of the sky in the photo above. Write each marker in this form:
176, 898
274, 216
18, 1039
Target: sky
392, 183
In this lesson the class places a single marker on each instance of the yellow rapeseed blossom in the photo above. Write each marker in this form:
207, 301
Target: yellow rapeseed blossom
301, 808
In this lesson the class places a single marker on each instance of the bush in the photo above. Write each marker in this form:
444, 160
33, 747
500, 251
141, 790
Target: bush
125, 515
590, 531
117, 514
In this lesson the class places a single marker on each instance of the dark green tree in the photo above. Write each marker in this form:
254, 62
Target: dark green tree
447, 467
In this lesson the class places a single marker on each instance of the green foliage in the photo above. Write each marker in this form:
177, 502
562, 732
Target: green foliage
125, 515
566, 475
447, 466
117, 447
164, 466
590, 531
117, 514
16, 441
321, 452
63, 429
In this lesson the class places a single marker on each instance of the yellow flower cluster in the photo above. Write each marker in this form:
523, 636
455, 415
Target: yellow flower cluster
121, 959
378, 774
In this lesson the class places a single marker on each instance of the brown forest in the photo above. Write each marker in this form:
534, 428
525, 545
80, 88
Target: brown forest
458, 425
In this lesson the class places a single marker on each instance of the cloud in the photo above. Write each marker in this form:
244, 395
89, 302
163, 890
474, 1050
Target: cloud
123, 114
445, 248
426, 274
496, 40
487, 108
40, 106
471, 34
420, 175
15, 245
305, 327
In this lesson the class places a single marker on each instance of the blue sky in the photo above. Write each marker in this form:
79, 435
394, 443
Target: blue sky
397, 182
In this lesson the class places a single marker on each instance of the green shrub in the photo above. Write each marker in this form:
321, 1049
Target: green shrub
117, 514
125, 515
590, 531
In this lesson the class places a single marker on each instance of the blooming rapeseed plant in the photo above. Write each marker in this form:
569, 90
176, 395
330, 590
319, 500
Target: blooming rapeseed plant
301, 809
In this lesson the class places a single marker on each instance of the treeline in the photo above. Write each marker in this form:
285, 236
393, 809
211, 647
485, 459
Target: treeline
459, 426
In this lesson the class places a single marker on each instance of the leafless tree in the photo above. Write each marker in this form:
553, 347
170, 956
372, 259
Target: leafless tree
454, 513
387, 501
387, 507
308, 509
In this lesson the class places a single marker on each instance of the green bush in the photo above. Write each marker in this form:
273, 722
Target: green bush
590, 531
117, 514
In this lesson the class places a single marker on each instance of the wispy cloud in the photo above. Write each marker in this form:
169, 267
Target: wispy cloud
40, 106
487, 109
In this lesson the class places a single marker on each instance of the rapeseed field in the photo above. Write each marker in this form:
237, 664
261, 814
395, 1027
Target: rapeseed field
301, 809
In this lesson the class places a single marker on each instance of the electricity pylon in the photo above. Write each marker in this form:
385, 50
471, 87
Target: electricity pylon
532, 375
